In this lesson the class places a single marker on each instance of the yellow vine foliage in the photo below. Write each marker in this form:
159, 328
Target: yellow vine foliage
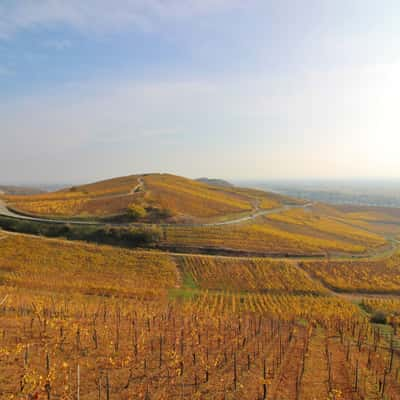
61, 266
375, 276
185, 198
247, 274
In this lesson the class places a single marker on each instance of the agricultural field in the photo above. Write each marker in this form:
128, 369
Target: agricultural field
116, 350
366, 276
278, 234
96, 322
389, 307
101, 199
83, 207
61, 266
194, 198
327, 223
179, 199
271, 271
196, 217
373, 214
247, 275
381, 220
286, 307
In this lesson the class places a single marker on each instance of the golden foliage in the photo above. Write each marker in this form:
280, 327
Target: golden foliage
97, 315
247, 274
61, 266
375, 276
258, 237
331, 225
185, 198
283, 306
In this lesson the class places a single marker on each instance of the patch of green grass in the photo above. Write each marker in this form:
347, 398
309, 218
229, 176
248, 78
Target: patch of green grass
303, 322
189, 282
183, 293
187, 291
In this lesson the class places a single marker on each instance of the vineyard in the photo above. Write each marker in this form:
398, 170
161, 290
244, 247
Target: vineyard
374, 214
55, 347
187, 210
96, 322
271, 271
388, 305
267, 236
375, 276
78, 207
388, 308
328, 223
184, 198
194, 198
247, 274
286, 307
61, 266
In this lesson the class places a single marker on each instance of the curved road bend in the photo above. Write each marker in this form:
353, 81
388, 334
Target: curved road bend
257, 213
6, 212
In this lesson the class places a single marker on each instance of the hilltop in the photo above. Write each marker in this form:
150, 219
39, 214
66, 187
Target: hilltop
148, 198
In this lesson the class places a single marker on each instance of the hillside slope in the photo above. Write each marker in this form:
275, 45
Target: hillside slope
148, 198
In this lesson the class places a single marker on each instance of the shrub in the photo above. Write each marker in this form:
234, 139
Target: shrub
136, 212
125, 236
158, 213
379, 317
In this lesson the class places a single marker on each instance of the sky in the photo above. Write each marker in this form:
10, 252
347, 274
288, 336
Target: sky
255, 89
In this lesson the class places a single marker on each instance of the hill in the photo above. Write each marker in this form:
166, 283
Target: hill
204, 218
147, 198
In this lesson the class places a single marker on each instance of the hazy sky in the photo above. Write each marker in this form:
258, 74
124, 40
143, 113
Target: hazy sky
224, 88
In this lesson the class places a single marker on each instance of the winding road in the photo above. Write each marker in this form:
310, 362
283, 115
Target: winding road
256, 212
351, 296
394, 244
6, 212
